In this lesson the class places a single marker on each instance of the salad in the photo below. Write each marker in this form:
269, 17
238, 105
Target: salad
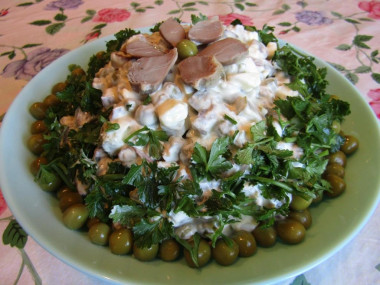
203, 139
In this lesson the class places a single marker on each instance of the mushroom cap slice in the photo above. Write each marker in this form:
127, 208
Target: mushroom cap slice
172, 31
226, 51
200, 72
147, 73
206, 31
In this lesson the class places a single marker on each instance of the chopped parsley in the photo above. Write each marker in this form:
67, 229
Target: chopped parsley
150, 138
144, 195
231, 120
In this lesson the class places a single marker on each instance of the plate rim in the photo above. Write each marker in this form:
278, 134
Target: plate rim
76, 265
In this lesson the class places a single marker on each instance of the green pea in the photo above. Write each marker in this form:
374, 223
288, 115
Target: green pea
225, 254
145, 253
100, 54
36, 164
265, 236
169, 250
51, 100
36, 143
58, 87
186, 48
246, 242
69, 198
335, 127
350, 145
298, 203
99, 233
204, 255
335, 169
62, 192
290, 231
304, 217
338, 157
79, 74
337, 185
92, 221
121, 241
318, 198
38, 110
37, 127
75, 216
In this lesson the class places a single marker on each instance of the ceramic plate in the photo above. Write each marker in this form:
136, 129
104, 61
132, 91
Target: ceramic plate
335, 221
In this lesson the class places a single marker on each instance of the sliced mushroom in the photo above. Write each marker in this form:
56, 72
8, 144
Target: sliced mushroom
206, 31
172, 31
200, 71
143, 45
226, 51
147, 73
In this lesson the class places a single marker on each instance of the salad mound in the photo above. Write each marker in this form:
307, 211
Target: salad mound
201, 137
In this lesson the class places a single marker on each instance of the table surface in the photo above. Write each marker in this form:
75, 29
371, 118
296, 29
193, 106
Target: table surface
35, 32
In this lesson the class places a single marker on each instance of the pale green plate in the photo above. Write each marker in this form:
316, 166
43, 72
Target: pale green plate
335, 222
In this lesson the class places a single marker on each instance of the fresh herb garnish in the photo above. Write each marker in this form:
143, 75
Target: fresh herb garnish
212, 162
109, 126
265, 34
121, 37
150, 138
228, 118
144, 195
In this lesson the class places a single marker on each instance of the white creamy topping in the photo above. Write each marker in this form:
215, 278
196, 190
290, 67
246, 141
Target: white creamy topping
253, 191
186, 227
172, 149
113, 140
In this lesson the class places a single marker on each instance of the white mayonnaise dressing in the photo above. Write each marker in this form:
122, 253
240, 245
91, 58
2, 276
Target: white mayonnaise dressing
245, 94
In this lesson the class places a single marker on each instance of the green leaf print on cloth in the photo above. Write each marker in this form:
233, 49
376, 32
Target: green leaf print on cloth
14, 235
300, 280
365, 56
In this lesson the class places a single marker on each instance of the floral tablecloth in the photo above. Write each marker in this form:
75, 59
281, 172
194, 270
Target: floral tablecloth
33, 33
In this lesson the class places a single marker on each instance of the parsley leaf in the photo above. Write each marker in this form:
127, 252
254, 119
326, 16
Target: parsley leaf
191, 247
155, 185
213, 162
150, 138
266, 33
147, 233
231, 120
109, 126
258, 131
306, 77
95, 202
126, 214
121, 37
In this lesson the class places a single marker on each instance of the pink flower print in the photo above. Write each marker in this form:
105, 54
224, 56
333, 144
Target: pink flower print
375, 107
374, 94
229, 18
3, 205
372, 7
110, 15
